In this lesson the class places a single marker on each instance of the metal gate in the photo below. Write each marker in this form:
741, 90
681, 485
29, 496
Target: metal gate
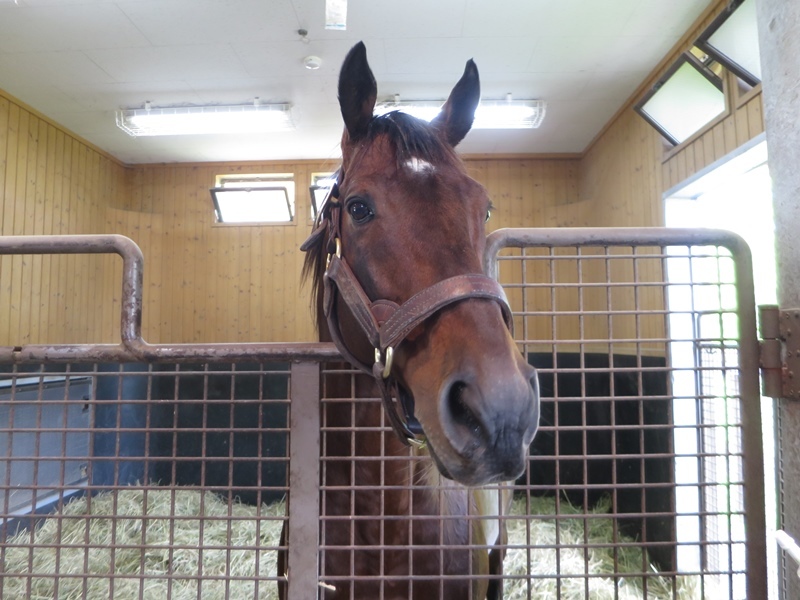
141, 471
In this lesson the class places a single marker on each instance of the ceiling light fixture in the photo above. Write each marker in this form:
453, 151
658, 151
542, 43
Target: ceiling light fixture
490, 114
193, 120
312, 63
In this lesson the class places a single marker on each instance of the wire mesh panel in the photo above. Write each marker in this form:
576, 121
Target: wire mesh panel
649, 446
157, 481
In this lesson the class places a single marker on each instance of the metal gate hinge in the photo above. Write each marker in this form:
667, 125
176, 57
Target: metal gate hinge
780, 352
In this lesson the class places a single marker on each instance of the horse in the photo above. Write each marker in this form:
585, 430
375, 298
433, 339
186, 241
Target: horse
395, 259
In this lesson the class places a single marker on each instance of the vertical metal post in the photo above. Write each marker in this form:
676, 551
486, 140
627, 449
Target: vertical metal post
752, 444
779, 42
304, 451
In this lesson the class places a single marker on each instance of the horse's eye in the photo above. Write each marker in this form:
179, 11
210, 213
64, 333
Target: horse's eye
359, 211
488, 215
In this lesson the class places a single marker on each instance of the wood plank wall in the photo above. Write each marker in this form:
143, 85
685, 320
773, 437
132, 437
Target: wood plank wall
51, 182
205, 282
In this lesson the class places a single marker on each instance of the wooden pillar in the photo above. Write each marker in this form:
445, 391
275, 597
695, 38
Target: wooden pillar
779, 40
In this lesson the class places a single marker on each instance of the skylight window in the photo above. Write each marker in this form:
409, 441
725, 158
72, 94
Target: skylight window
254, 198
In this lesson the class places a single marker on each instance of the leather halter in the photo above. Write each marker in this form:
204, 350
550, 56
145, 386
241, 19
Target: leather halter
385, 323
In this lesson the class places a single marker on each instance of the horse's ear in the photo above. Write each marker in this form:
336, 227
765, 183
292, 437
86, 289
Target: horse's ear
458, 113
357, 91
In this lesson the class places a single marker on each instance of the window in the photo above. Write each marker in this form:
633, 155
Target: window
265, 198
732, 39
321, 184
686, 99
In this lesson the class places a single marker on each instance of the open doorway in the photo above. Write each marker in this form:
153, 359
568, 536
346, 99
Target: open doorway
733, 194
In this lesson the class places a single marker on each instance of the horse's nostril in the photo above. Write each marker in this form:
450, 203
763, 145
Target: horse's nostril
458, 405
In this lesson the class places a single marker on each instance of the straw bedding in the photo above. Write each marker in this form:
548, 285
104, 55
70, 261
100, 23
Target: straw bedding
101, 545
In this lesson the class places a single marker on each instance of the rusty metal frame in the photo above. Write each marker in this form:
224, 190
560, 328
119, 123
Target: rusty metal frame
304, 441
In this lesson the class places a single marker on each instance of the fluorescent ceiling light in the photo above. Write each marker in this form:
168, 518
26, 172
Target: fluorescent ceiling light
684, 100
491, 114
732, 40
191, 120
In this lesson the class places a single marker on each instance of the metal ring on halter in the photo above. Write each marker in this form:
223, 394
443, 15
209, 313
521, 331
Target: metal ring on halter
387, 368
338, 252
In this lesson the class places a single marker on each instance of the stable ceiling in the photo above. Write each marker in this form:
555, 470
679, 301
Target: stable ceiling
77, 61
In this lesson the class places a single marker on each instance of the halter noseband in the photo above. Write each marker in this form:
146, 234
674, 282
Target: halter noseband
385, 323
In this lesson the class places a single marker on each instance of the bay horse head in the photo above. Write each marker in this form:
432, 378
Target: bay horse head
405, 297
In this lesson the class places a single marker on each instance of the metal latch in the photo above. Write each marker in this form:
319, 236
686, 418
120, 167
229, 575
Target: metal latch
780, 352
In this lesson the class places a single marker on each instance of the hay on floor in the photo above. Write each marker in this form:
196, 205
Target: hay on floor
532, 563
173, 549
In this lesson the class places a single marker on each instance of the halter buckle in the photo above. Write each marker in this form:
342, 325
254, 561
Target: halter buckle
387, 366
338, 253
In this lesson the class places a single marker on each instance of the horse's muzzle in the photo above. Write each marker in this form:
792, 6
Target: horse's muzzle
488, 423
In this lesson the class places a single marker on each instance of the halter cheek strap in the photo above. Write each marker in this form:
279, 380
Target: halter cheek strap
386, 324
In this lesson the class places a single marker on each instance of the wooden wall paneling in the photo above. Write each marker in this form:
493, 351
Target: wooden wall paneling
56, 315
530, 175
9, 127
718, 135
241, 269
92, 288
169, 206
150, 234
162, 203
680, 171
266, 284
39, 333
5, 109
185, 198
653, 147
189, 248
18, 224
755, 117
73, 317
257, 291
729, 131
742, 126
85, 263
111, 188
5, 261
67, 318
113, 280
691, 164
37, 297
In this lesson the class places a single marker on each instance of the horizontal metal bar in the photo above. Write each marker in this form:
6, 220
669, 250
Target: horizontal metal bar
133, 348
604, 236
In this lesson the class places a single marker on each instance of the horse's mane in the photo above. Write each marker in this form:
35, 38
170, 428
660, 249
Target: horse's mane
411, 138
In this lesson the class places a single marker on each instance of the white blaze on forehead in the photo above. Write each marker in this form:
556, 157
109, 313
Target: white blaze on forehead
418, 165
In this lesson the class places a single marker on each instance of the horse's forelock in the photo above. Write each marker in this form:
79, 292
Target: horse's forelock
412, 138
